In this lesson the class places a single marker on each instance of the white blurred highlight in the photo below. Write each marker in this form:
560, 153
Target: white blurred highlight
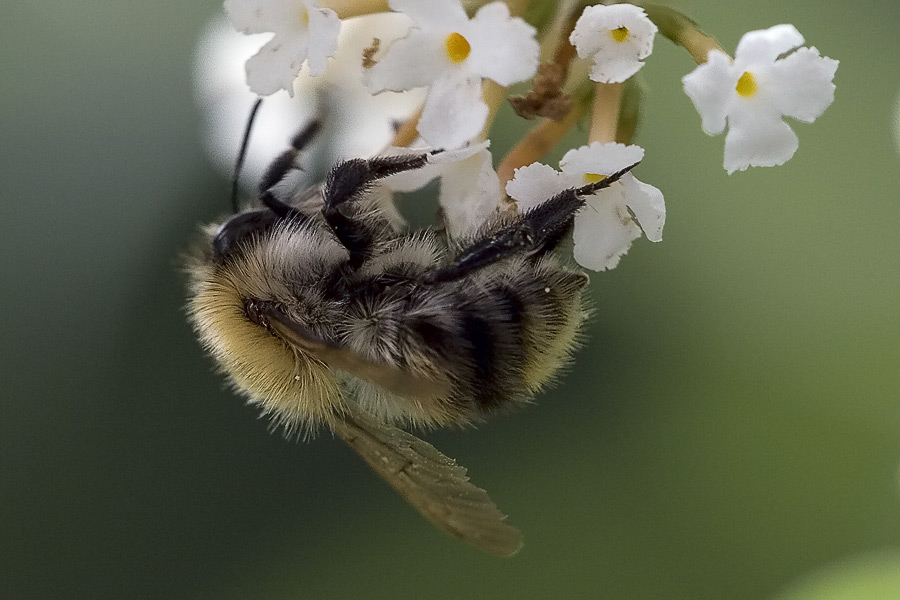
361, 124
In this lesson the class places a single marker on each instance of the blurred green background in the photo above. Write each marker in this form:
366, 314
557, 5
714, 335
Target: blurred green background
731, 429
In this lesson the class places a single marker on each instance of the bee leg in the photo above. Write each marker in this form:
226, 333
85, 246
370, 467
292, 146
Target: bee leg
353, 177
534, 234
357, 230
279, 167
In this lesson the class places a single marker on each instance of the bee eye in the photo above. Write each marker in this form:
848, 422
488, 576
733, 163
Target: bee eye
240, 228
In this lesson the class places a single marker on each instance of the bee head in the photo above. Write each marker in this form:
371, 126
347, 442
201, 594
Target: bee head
239, 229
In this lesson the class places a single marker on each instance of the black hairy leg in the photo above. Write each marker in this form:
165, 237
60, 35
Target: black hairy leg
242, 225
533, 234
279, 167
349, 180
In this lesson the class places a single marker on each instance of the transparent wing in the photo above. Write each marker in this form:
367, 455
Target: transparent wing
432, 482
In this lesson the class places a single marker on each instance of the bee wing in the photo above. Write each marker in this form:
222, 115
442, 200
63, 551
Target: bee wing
393, 379
432, 482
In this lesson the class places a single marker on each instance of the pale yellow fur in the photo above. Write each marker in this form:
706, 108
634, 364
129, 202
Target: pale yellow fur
294, 388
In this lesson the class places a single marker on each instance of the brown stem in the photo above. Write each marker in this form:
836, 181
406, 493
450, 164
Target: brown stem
536, 143
564, 55
346, 9
699, 44
407, 132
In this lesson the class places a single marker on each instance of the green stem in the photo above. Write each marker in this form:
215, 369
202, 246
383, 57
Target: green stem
682, 30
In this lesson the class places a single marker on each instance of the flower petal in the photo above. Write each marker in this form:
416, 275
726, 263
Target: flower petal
765, 45
470, 194
413, 61
453, 113
761, 141
711, 88
600, 159
615, 64
324, 28
503, 49
437, 166
604, 230
261, 16
534, 185
803, 84
276, 65
647, 204
441, 15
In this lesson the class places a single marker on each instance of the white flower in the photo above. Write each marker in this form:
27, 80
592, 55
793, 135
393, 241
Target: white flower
303, 32
357, 124
612, 217
756, 90
452, 54
470, 188
618, 37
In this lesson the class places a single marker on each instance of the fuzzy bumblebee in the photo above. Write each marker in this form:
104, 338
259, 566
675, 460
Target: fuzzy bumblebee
323, 311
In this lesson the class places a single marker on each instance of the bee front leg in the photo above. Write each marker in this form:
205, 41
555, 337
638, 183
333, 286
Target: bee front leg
280, 167
356, 228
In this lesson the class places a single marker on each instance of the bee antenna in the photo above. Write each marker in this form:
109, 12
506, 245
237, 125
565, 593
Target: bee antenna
242, 154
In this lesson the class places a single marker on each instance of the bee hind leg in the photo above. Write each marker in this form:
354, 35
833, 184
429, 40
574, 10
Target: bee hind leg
534, 234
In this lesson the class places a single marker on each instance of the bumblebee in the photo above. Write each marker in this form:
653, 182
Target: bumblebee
322, 310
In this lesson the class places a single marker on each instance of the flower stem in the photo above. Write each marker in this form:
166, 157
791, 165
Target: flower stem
407, 133
556, 36
346, 9
493, 95
517, 7
629, 110
682, 30
538, 142
605, 112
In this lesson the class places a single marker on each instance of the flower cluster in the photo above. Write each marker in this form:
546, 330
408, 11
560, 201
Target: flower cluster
461, 60
452, 55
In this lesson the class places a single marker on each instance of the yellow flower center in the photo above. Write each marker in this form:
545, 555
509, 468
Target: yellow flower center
620, 34
304, 17
458, 47
593, 177
746, 85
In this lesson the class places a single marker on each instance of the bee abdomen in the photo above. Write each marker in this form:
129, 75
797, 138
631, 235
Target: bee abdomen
492, 327
513, 334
